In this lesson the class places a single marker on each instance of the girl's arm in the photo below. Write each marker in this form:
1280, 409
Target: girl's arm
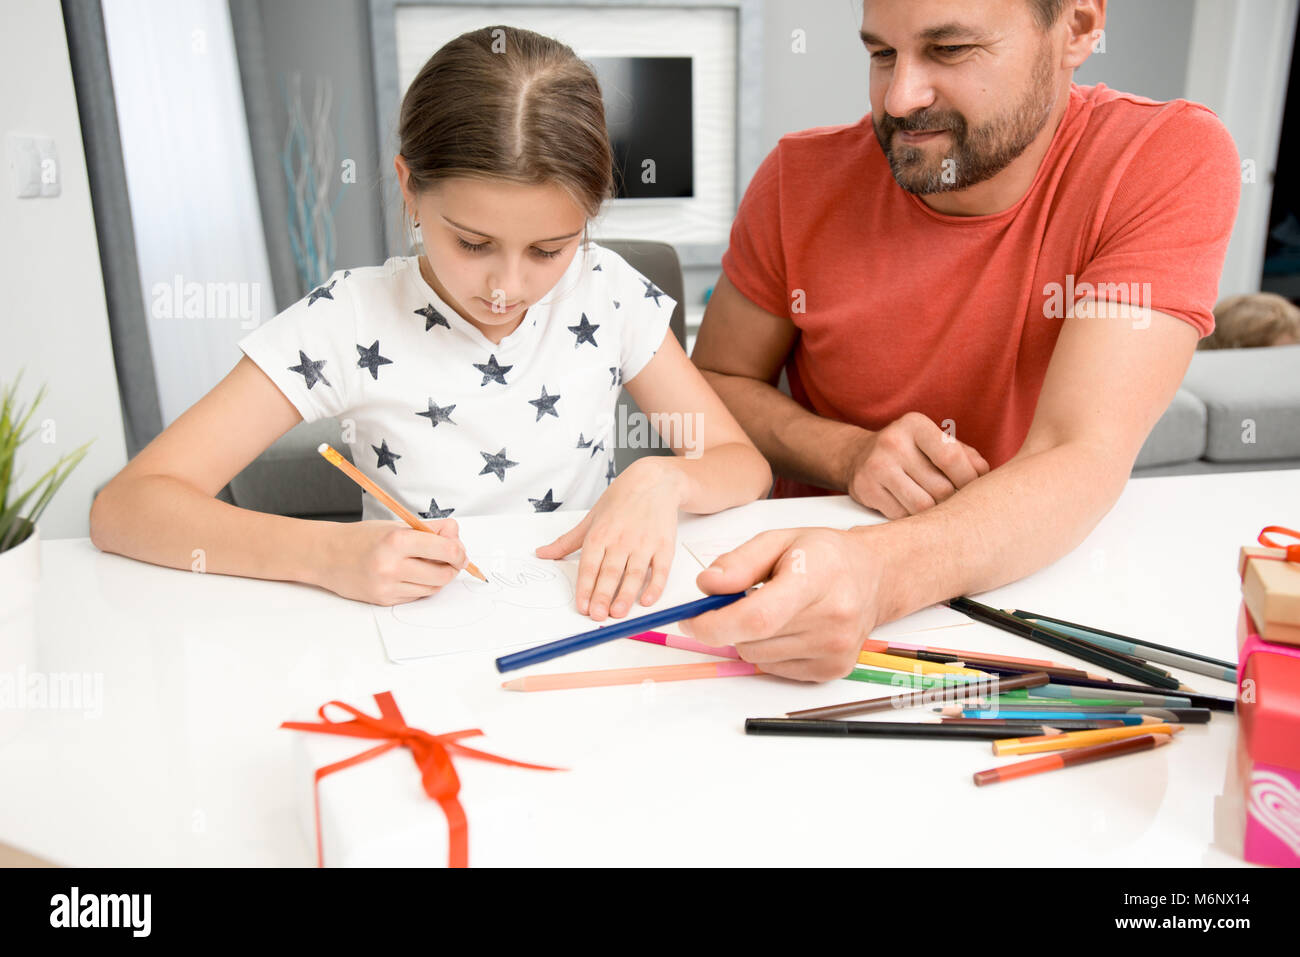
161, 508
719, 465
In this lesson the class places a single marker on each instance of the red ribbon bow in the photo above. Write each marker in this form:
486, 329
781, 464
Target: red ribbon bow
1292, 551
432, 754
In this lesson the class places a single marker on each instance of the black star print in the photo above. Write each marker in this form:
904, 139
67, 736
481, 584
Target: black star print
438, 414
496, 464
436, 512
582, 444
545, 504
615, 303
596, 268
491, 371
321, 292
610, 475
346, 273
615, 376
432, 317
600, 447
652, 290
385, 457
310, 370
545, 405
585, 332
371, 359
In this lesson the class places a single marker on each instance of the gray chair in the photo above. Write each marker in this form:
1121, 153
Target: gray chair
290, 477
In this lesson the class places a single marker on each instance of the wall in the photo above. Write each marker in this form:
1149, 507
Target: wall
54, 323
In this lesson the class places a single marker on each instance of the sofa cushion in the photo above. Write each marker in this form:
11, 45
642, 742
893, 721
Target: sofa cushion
1179, 435
1252, 401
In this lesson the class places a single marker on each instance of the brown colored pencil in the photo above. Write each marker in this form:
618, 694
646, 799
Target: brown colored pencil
351, 471
1053, 762
976, 688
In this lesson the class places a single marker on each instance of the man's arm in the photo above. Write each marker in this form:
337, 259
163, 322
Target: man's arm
1106, 385
740, 350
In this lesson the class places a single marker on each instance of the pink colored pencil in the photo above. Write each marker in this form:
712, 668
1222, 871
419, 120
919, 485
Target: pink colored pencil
631, 676
686, 644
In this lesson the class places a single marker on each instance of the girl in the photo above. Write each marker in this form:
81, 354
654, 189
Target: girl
480, 377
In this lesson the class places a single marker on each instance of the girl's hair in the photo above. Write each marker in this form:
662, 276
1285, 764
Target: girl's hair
501, 102
1251, 320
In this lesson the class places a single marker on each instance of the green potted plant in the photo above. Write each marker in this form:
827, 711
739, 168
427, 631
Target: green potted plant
20, 567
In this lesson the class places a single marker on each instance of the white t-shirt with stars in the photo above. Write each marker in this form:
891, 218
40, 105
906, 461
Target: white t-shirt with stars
446, 421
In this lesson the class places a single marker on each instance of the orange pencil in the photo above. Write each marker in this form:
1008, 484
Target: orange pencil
1052, 762
631, 676
1078, 739
352, 472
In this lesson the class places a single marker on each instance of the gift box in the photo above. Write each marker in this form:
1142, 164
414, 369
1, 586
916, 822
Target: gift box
1270, 586
1268, 745
408, 787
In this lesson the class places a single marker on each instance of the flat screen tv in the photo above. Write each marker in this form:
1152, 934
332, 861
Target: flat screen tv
649, 111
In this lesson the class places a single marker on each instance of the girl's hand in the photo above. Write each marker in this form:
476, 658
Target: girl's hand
389, 563
631, 531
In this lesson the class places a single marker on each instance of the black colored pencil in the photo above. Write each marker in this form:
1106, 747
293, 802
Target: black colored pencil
880, 729
1022, 614
1106, 659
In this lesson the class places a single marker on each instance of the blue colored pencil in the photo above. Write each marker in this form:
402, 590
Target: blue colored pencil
1058, 715
624, 629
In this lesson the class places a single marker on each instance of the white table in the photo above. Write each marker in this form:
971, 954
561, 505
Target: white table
186, 766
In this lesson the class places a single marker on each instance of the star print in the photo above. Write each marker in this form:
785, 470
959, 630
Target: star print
371, 359
610, 474
582, 444
496, 464
321, 292
310, 370
491, 371
438, 414
545, 504
652, 290
615, 376
585, 332
346, 273
600, 447
596, 268
615, 303
432, 317
545, 405
386, 458
436, 512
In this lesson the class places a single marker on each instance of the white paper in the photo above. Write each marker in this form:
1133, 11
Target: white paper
526, 600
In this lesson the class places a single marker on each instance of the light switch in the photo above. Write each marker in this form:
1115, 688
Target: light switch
24, 165
51, 173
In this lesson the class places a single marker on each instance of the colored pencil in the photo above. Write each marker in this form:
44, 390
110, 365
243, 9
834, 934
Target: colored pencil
623, 629
903, 680
1066, 725
1217, 669
631, 676
1053, 762
873, 729
1181, 652
1044, 715
686, 644
1078, 739
986, 663
1160, 697
912, 665
899, 648
1183, 715
1004, 703
913, 700
1114, 661
367, 484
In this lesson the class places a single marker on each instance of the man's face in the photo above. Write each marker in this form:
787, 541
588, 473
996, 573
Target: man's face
959, 88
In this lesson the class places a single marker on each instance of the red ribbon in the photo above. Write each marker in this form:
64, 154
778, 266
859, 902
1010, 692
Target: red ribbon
432, 753
1292, 551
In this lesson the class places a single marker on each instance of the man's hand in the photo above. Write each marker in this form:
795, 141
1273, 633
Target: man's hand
819, 603
909, 466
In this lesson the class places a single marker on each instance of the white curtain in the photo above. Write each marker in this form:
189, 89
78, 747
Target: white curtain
202, 253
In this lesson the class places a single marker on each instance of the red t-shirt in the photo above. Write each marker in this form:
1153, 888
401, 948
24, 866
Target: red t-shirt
906, 309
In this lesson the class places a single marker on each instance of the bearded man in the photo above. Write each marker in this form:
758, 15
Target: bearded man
984, 295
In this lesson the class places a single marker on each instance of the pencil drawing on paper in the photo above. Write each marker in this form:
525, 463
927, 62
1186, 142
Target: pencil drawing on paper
524, 583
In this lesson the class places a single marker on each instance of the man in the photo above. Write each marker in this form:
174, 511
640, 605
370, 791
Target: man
985, 294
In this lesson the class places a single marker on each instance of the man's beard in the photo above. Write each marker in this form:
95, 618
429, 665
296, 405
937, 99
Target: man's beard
975, 155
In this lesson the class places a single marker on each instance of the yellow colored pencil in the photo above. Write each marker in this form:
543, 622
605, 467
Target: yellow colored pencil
912, 665
351, 471
631, 676
1078, 739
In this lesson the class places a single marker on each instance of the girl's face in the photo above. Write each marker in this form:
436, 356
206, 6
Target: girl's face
494, 247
